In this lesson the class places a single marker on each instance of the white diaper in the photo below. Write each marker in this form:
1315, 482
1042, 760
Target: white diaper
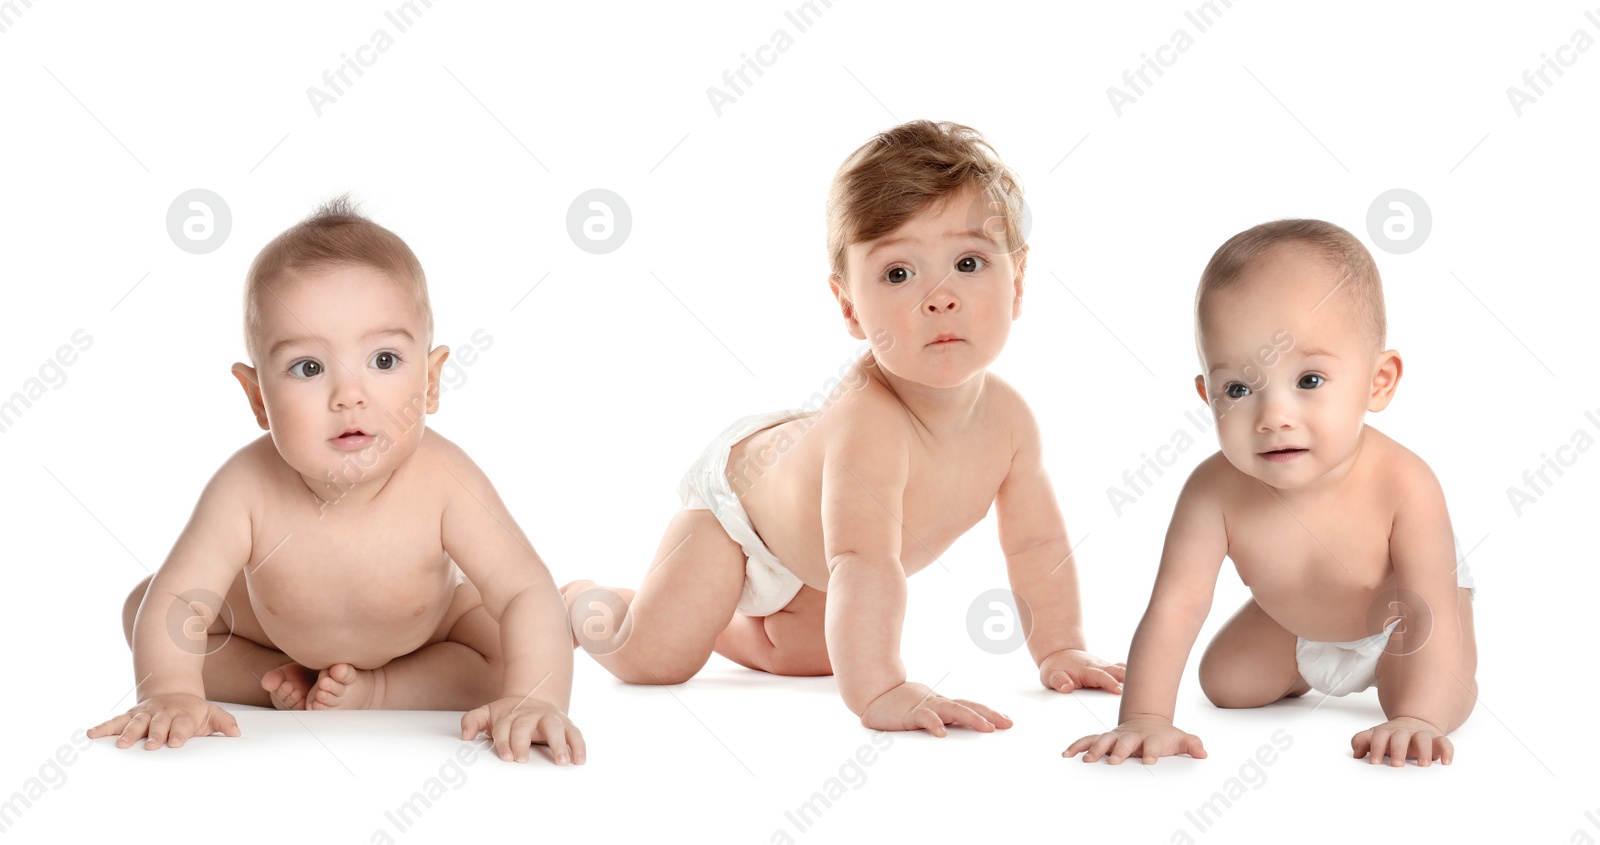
1344, 668
768, 585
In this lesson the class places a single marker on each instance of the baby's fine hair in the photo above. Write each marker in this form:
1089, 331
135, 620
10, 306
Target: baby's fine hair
1358, 273
904, 170
336, 234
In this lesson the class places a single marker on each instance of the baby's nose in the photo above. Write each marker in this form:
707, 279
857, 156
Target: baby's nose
1273, 414
347, 393
941, 299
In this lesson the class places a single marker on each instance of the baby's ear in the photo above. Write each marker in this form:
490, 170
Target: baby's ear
1384, 380
436, 360
246, 375
842, 293
1200, 387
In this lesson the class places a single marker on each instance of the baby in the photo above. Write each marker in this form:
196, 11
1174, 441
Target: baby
336, 537
1340, 533
799, 528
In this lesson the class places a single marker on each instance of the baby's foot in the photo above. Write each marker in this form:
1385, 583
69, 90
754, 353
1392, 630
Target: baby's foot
569, 594
288, 685
344, 687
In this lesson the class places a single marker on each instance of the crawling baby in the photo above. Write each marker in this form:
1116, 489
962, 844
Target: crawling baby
800, 527
1340, 533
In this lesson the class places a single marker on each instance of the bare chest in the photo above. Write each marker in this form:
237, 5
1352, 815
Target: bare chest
343, 567
1315, 570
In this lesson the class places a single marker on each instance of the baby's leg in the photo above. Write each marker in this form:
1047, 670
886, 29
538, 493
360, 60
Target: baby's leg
241, 666
666, 630
459, 669
789, 642
1251, 662
1466, 681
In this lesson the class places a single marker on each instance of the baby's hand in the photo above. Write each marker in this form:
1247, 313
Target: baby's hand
515, 725
1403, 737
1071, 668
1150, 737
914, 707
167, 720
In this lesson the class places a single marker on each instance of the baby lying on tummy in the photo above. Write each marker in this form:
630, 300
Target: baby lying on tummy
366, 561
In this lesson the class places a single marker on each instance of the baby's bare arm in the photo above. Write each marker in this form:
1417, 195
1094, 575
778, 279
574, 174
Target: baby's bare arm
1423, 695
1190, 558
864, 475
1423, 550
484, 540
208, 554
1043, 569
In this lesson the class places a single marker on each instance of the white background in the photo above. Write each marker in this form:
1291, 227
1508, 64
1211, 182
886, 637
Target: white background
472, 134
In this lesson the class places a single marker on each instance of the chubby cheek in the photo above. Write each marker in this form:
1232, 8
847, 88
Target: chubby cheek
888, 332
1233, 433
1338, 429
999, 323
299, 443
404, 410
1328, 420
289, 415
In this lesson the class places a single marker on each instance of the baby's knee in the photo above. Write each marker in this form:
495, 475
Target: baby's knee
801, 664
661, 674
1216, 692
130, 608
1224, 683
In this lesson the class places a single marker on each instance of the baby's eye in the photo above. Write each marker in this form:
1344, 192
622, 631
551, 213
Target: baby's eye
305, 368
897, 275
970, 264
1311, 381
384, 360
1236, 391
